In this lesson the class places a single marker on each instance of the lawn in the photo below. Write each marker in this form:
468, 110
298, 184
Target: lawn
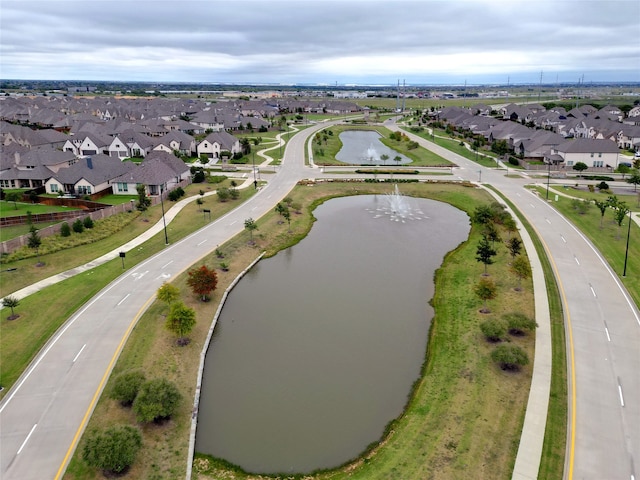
9, 209
465, 413
326, 145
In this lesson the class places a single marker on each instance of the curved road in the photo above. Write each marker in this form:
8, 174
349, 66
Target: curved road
43, 416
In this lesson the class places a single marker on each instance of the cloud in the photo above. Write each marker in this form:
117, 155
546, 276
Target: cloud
318, 41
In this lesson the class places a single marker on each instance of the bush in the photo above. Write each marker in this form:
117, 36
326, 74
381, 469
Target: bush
78, 226
514, 161
126, 387
603, 186
510, 357
88, 223
65, 229
113, 449
493, 330
519, 323
156, 400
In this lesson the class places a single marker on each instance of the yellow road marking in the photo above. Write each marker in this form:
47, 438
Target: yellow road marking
96, 395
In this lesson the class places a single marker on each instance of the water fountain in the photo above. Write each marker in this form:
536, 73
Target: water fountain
372, 155
397, 208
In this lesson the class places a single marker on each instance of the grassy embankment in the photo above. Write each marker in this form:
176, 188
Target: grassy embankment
42, 313
324, 152
465, 413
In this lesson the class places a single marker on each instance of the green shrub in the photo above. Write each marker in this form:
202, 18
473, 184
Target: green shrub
519, 323
493, 330
78, 226
88, 223
113, 449
65, 229
126, 387
514, 161
510, 357
156, 400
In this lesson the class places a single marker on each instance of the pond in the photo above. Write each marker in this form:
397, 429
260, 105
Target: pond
363, 147
317, 348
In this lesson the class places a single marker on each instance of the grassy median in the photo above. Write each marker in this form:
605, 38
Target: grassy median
464, 415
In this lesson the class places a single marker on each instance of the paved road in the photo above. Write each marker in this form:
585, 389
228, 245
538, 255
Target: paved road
45, 412
603, 337
47, 409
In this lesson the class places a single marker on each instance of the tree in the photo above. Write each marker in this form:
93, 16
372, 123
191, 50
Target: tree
634, 178
13, 197
34, 241
126, 387
202, 281
250, 225
493, 330
485, 253
113, 449
519, 323
287, 216
78, 226
223, 194
482, 215
65, 229
143, 200
11, 302
485, 289
514, 245
397, 159
580, 167
384, 157
510, 357
623, 168
510, 225
168, 293
88, 223
492, 233
199, 201
521, 269
602, 206
156, 400
180, 321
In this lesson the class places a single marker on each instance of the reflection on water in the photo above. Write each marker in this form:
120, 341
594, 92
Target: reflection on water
363, 147
317, 349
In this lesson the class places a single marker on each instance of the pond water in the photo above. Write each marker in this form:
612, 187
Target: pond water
317, 348
363, 147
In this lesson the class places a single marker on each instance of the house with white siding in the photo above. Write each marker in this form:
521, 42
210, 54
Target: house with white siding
215, 143
591, 152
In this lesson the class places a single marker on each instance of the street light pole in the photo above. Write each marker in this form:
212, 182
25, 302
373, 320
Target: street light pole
479, 176
626, 252
253, 161
548, 178
164, 222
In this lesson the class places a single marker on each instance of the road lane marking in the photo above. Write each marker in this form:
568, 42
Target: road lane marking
592, 290
576, 259
122, 301
98, 391
235, 221
548, 221
620, 393
606, 330
532, 205
26, 439
563, 239
166, 265
203, 241
78, 354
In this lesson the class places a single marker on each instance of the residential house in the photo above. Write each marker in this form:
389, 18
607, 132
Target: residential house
597, 154
159, 172
31, 168
215, 143
176, 141
539, 145
90, 175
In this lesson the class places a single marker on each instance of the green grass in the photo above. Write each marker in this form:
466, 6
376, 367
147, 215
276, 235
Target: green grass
325, 153
555, 435
8, 209
610, 240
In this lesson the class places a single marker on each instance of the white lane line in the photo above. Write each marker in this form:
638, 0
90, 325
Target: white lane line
548, 221
619, 393
122, 301
592, 290
26, 439
201, 242
235, 221
606, 330
563, 239
532, 205
254, 208
577, 261
78, 354
166, 264
518, 194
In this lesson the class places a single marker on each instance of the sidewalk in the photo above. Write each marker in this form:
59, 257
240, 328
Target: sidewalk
155, 229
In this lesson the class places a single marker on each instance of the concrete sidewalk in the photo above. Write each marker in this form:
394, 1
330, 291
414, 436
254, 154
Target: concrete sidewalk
148, 234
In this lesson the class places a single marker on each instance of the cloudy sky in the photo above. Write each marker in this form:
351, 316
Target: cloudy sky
321, 41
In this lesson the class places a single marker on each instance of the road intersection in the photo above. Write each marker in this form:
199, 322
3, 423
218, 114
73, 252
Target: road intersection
44, 414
